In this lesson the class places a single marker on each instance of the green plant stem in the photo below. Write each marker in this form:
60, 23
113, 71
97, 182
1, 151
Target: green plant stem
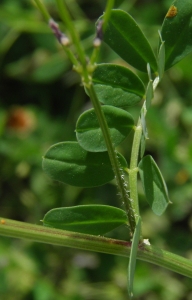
47, 17
109, 6
66, 18
71, 57
42, 9
113, 158
173, 262
133, 168
106, 16
94, 56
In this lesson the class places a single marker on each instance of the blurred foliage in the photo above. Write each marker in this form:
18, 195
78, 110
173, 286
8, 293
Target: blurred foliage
40, 100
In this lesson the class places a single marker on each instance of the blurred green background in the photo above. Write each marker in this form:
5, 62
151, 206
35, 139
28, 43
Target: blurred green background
40, 100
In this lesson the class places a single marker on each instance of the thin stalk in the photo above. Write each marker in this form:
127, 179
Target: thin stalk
113, 158
109, 6
94, 56
42, 9
66, 18
133, 170
66, 48
75, 9
98, 40
173, 262
71, 57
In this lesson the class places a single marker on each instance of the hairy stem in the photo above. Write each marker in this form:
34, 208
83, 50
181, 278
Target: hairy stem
173, 262
113, 158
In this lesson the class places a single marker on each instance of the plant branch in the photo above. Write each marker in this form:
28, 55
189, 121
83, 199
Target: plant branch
113, 158
37, 233
133, 170
43, 10
66, 18
109, 6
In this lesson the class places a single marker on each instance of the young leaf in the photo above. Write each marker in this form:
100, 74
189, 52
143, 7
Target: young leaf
89, 134
142, 145
143, 124
149, 71
161, 60
176, 32
116, 85
90, 219
154, 185
125, 37
67, 162
149, 94
133, 257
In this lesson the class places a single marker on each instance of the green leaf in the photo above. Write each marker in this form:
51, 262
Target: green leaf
22, 20
67, 162
117, 86
50, 70
133, 257
125, 37
176, 31
41, 70
154, 185
89, 134
90, 219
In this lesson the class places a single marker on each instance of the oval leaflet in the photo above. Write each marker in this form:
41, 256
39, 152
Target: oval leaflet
88, 219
